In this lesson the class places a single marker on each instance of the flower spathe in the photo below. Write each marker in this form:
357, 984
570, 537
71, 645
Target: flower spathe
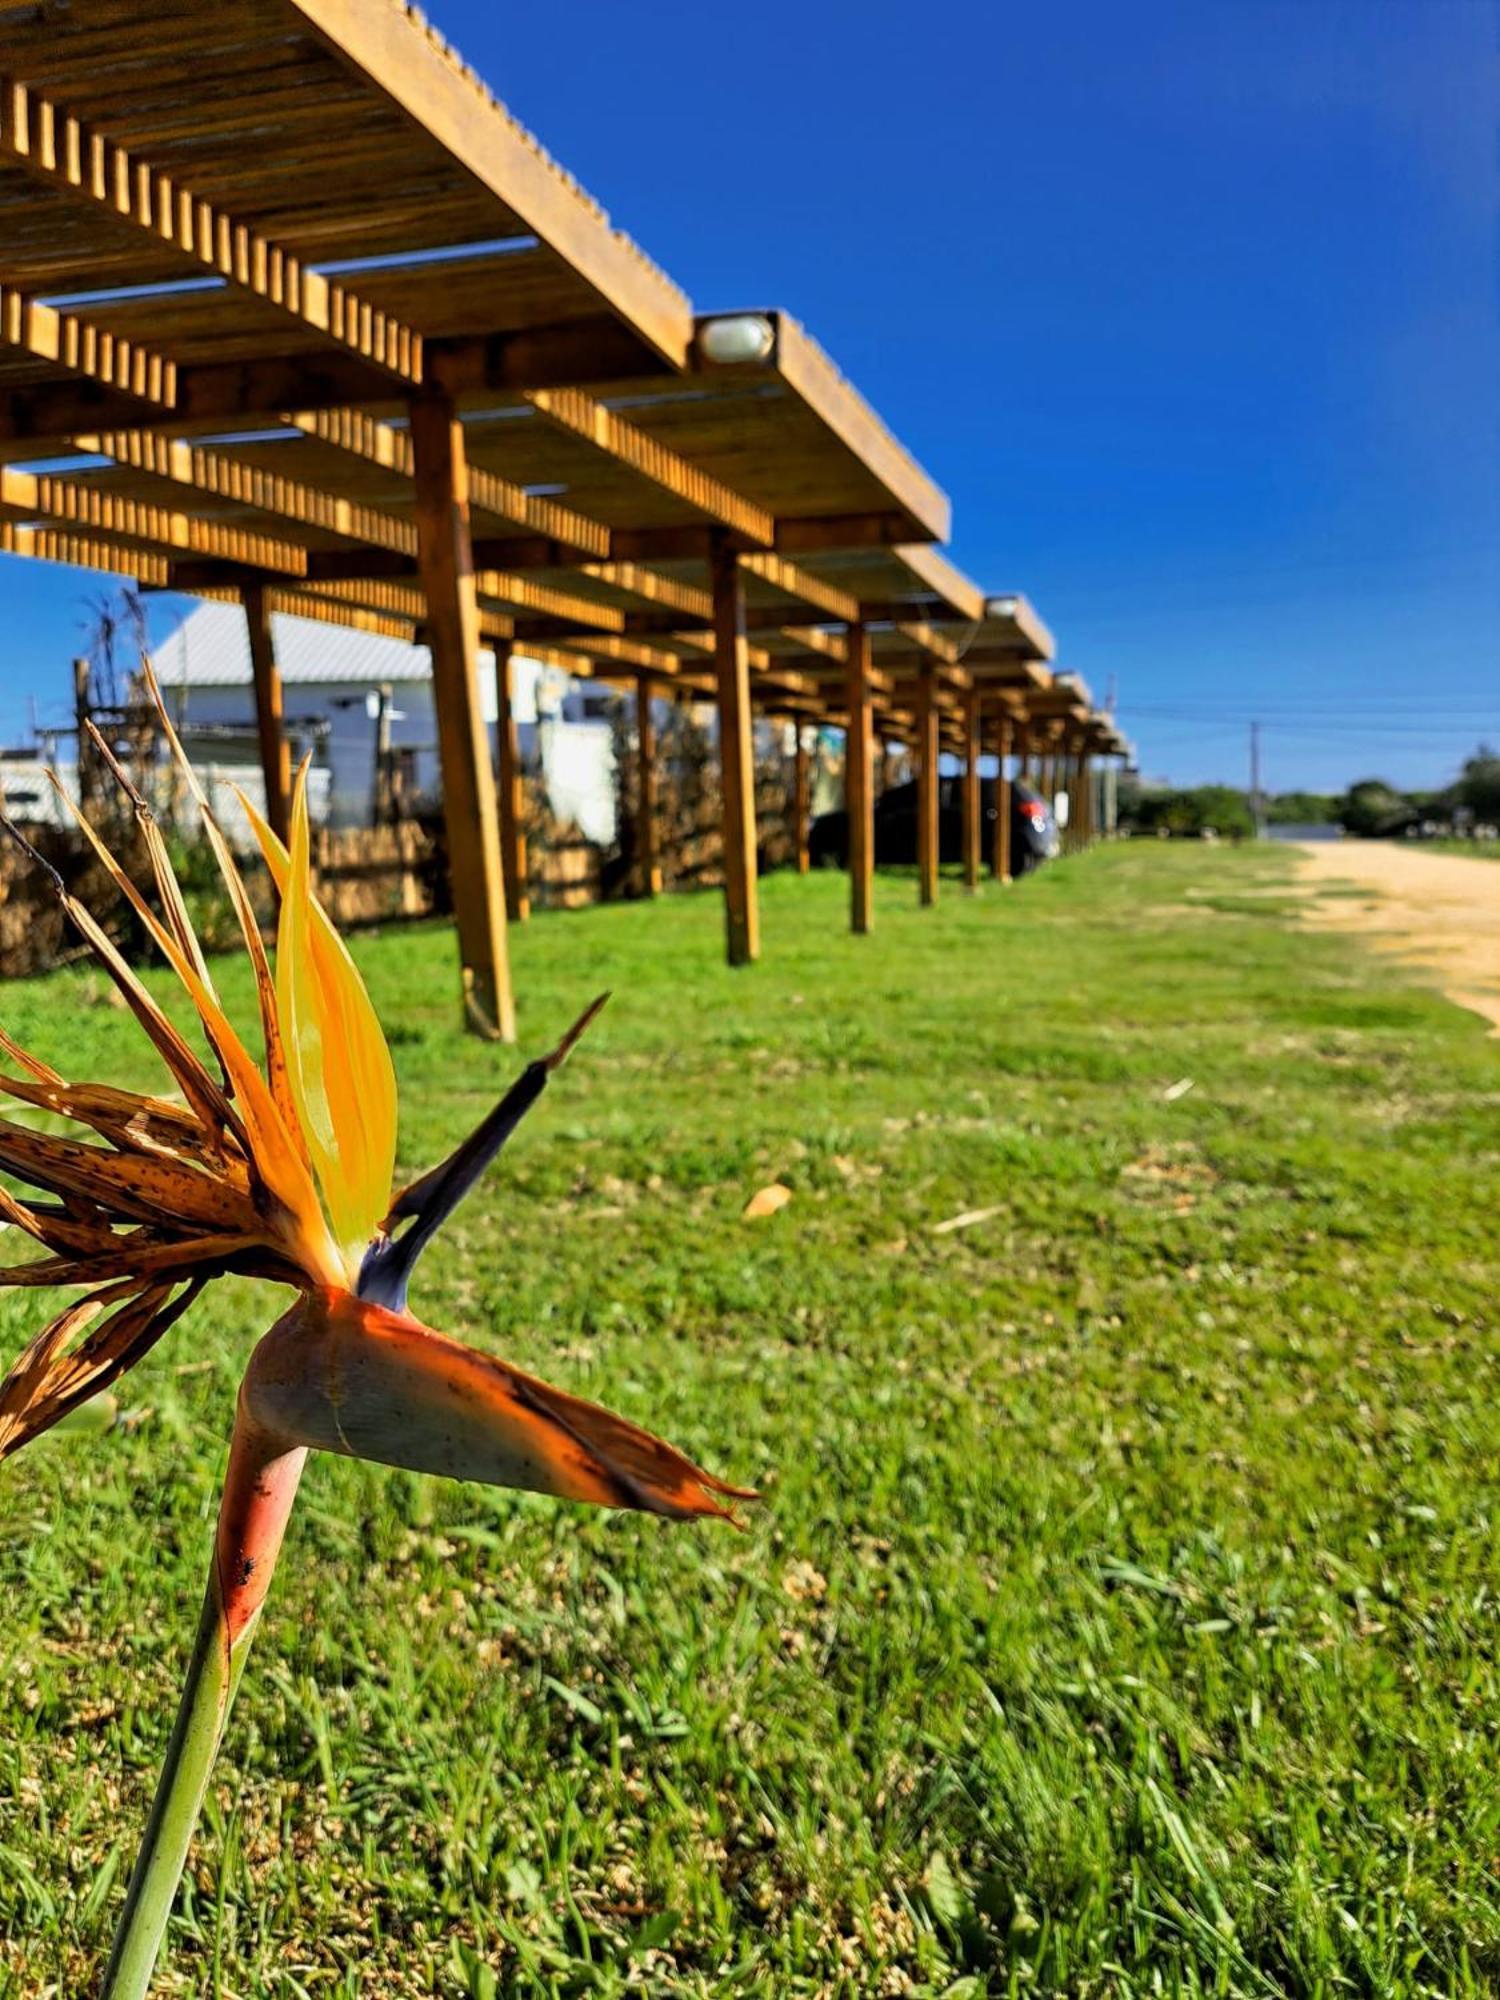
280, 1168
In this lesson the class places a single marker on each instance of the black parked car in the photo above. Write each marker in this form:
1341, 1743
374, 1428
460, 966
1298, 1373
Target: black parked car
1033, 836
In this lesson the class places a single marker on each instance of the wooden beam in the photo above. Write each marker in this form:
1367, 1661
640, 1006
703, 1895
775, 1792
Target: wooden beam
736, 758
60, 545
275, 757
822, 534
201, 470
647, 857
221, 393
937, 646
859, 791
628, 652
501, 589
81, 503
928, 827
92, 171
366, 438
572, 354
580, 416
512, 793
835, 604
972, 821
800, 800
368, 565
690, 541
679, 601
1000, 853
397, 601
469, 806
104, 360
328, 611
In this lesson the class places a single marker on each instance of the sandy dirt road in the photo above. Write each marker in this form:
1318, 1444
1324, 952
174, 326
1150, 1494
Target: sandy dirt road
1438, 911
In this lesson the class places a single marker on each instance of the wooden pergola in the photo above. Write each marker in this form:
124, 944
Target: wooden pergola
292, 311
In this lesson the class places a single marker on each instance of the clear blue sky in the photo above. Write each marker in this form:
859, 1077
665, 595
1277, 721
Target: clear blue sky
1193, 308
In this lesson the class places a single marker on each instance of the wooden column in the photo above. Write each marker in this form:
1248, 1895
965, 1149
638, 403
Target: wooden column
275, 757
973, 822
512, 793
736, 757
859, 781
1085, 803
1000, 857
800, 803
927, 784
647, 855
1061, 788
470, 812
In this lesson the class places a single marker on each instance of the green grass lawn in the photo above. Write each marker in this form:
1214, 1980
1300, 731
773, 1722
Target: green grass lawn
1119, 1617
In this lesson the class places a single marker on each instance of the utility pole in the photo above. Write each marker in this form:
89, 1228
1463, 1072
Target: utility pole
1255, 806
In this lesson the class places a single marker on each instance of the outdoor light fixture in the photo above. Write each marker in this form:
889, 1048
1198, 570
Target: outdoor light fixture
745, 337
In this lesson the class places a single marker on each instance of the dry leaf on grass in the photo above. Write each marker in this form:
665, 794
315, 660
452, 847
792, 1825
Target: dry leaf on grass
965, 1221
766, 1201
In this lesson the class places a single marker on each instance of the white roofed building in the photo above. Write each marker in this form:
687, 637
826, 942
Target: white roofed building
334, 683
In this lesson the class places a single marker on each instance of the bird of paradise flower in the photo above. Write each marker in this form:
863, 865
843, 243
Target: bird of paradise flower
280, 1171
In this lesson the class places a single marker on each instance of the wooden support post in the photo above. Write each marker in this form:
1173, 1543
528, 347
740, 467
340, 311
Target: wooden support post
1085, 799
973, 824
1061, 789
647, 859
859, 780
470, 811
927, 784
800, 803
1000, 858
1077, 813
275, 758
512, 792
736, 756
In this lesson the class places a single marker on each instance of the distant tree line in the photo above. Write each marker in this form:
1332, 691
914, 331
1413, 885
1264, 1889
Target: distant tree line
1371, 808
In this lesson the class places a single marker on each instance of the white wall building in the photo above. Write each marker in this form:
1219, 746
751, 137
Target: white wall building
331, 682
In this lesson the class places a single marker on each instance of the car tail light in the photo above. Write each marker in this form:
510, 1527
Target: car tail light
1034, 810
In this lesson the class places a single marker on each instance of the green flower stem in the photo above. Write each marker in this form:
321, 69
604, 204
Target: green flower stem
259, 1489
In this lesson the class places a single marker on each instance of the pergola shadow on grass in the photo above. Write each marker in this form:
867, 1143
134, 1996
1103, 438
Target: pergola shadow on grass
1119, 1613
294, 312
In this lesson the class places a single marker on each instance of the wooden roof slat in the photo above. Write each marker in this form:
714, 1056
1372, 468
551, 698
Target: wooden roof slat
570, 410
365, 437
788, 580
49, 142
60, 545
73, 503
40, 331
205, 471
